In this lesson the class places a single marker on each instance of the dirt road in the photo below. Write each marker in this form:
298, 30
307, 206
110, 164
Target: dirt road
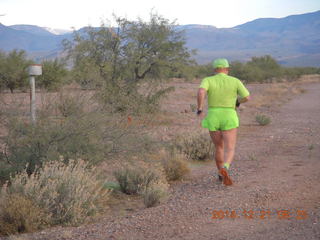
276, 194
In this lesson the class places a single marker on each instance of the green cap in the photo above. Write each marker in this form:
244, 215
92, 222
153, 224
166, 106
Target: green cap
220, 63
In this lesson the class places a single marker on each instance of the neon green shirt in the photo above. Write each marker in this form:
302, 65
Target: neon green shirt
223, 90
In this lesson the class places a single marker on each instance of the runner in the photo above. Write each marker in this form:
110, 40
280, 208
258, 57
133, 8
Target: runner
222, 120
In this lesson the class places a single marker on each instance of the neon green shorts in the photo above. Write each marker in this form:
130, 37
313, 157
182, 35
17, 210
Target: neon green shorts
221, 119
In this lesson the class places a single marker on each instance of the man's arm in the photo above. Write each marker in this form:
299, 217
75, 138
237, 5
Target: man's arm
245, 99
243, 91
201, 95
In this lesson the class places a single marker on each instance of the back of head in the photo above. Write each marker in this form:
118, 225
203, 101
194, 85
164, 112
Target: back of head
220, 65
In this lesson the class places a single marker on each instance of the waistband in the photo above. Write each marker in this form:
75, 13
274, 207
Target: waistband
221, 108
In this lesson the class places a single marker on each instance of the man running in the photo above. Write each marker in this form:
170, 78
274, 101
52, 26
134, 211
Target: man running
222, 119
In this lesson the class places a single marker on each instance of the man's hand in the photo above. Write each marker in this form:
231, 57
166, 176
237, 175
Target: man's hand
200, 113
200, 98
200, 116
237, 103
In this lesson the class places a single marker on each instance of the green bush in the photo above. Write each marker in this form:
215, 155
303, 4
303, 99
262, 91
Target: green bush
53, 75
72, 124
31, 145
63, 127
263, 119
260, 69
196, 147
13, 70
67, 193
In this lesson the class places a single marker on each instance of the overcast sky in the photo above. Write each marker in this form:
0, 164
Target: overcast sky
65, 14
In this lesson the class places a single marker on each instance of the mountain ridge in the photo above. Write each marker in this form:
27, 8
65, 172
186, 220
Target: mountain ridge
32, 29
292, 40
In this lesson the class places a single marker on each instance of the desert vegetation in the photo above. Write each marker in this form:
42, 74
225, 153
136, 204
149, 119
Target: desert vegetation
48, 172
92, 133
56, 193
262, 119
264, 69
14, 74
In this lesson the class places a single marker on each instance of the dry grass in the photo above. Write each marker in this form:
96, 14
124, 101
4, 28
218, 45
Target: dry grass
155, 195
311, 78
16, 237
20, 214
196, 147
275, 93
175, 166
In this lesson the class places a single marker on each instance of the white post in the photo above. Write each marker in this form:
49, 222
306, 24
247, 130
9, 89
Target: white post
34, 70
33, 99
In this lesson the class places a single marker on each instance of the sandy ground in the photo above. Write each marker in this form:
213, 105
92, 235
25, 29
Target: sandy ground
276, 192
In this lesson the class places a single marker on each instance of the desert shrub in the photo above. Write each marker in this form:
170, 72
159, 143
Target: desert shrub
5, 170
259, 69
63, 127
135, 180
201, 71
20, 214
195, 147
150, 183
175, 166
31, 145
53, 75
154, 195
72, 124
263, 119
293, 73
13, 66
68, 193
69, 105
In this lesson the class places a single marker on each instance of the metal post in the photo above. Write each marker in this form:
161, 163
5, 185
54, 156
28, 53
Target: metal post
33, 99
33, 70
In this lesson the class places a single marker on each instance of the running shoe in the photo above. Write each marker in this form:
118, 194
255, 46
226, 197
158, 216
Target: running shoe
225, 177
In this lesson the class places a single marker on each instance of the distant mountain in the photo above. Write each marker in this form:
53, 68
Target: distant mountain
290, 23
36, 41
193, 26
32, 29
293, 40
57, 31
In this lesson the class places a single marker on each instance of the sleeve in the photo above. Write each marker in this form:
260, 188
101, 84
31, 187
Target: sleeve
204, 84
242, 90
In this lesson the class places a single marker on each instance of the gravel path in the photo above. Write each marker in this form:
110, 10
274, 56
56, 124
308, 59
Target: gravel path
276, 194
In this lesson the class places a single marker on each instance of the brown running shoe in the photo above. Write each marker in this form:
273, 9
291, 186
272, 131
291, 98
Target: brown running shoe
226, 178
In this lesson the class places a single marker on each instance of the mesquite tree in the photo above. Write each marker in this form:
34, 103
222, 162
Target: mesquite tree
130, 61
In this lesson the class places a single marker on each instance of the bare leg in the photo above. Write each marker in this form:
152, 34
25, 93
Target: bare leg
229, 138
217, 139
